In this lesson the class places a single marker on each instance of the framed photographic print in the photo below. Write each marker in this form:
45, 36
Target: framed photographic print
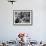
22, 17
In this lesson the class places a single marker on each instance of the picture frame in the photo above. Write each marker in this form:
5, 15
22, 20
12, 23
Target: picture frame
22, 17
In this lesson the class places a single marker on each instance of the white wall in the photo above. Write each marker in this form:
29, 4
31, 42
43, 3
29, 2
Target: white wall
38, 30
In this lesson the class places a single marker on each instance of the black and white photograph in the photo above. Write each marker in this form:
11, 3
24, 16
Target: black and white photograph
22, 17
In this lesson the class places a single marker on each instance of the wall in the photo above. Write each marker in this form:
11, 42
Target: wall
37, 31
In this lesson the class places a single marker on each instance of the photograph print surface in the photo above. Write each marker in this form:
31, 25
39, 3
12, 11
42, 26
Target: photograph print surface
22, 17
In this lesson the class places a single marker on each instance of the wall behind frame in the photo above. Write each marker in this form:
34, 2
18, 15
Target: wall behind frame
38, 30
